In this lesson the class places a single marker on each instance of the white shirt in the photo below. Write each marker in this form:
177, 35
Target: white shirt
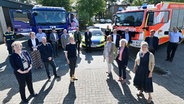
174, 36
107, 49
54, 35
39, 36
33, 41
127, 36
114, 38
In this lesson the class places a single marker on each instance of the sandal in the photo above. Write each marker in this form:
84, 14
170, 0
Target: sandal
140, 94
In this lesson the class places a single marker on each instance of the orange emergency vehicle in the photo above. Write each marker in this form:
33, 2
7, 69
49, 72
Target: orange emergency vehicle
161, 18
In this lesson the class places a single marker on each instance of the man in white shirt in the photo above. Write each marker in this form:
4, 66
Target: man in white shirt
174, 41
64, 39
127, 35
39, 35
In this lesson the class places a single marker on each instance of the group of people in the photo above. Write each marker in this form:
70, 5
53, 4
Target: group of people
44, 52
116, 48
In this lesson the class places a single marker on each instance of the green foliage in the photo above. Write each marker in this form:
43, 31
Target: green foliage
88, 8
57, 3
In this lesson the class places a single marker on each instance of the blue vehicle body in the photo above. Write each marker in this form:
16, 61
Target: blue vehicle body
47, 18
43, 17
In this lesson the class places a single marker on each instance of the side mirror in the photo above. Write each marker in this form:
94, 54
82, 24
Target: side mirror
35, 13
30, 19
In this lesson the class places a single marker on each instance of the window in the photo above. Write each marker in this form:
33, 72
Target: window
21, 16
158, 17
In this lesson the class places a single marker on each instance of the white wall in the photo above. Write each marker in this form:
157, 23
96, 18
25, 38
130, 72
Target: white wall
3, 26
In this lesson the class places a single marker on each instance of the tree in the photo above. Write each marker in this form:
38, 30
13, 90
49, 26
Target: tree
88, 8
57, 3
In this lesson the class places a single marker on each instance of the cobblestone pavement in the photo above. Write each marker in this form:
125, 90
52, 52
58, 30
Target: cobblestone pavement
93, 86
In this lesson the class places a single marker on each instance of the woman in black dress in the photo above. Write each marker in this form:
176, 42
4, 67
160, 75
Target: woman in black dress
71, 57
143, 68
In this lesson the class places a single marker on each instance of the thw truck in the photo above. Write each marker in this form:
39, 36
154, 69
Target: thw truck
140, 21
43, 17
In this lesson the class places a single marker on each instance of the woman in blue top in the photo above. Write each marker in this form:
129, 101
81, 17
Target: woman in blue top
21, 63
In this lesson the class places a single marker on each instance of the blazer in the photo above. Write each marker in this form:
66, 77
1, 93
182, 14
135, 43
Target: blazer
117, 40
155, 41
45, 51
151, 60
16, 61
64, 41
125, 56
110, 52
130, 36
52, 38
79, 37
31, 45
88, 37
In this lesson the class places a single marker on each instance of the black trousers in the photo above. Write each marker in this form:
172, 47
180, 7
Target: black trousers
171, 49
152, 50
24, 79
9, 47
53, 65
122, 67
78, 45
88, 46
55, 48
72, 65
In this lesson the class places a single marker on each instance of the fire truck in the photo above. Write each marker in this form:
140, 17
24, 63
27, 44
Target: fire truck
141, 20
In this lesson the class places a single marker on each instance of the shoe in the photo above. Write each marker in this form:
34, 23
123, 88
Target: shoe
149, 100
140, 94
120, 79
167, 59
34, 95
24, 101
56, 77
171, 59
48, 79
123, 81
71, 80
74, 78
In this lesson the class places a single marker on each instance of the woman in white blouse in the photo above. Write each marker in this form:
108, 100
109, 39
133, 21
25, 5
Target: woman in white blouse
108, 53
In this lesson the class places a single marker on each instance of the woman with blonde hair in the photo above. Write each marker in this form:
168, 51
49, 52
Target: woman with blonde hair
35, 54
21, 62
122, 59
108, 53
71, 57
143, 68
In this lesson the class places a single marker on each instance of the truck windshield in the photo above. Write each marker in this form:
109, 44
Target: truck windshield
130, 18
50, 17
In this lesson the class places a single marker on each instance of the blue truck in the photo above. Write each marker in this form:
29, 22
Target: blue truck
43, 17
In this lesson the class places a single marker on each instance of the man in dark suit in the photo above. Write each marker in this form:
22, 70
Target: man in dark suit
152, 41
107, 32
54, 40
88, 36
127, 35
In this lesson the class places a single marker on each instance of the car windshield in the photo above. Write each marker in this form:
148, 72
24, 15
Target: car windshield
96, 33
50, 17
130, 18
